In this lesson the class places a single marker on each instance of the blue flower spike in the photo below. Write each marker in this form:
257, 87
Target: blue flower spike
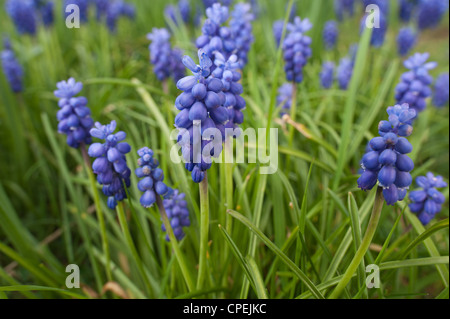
110, 162
414, 87
74, 115
427, 201
386, 161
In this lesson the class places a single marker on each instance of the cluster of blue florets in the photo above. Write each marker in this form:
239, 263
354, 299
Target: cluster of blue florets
427, 202
387, 161
74, 116
110, 163
406, 40
201, 107
152, 178
11, 67
176, 209
165, 59
296, 49
414, 87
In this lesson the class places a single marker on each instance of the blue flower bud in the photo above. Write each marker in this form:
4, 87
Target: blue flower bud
370, 160
390, 195
403, 179
387, 157
198, 112
386, 176
404, 163
148, 198
367, 180
403, 146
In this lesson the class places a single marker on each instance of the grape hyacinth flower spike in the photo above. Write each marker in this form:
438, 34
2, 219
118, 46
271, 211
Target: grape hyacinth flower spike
427, 202
215, 36
327, 75
284, 97
414, 87
406, 40
378, 33
166, 61
297, 49
83, 6
441, 90
241, 27
228, 72
387, 161
23, 15
11, 67
176, 209
200, 105
277, 29
74, 116
430, 13
152, 178
110, 163
330, 35
344, 8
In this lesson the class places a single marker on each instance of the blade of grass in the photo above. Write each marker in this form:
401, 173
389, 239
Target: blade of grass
288, 262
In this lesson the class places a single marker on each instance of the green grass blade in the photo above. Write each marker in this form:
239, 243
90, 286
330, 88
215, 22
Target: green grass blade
289, 263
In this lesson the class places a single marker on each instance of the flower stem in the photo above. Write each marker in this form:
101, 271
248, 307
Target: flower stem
370, 232
229, 183
204, 230
293, 116
99, 211
131, 246
175, 246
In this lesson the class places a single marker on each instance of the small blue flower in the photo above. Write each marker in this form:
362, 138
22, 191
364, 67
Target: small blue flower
11, 68
414, 87
115, 10
277, 29
330, 34
406, 40
45, 11
74, 116
327, 75
297, 49
152, 178
241, 27
110, 163
215, 36
382, 4
378, 34
210, 3
176, 209
166, 61
344, 72
406, 9
228, 72
430, 13
23, 14
386, 160
83, 5
427, 202
284, 97
441, 88
185, 10
344, 8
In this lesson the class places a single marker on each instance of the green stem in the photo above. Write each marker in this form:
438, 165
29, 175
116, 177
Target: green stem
204, 230
99, 211
131, 246
293, 116
229, 183
175, 246
370, 232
